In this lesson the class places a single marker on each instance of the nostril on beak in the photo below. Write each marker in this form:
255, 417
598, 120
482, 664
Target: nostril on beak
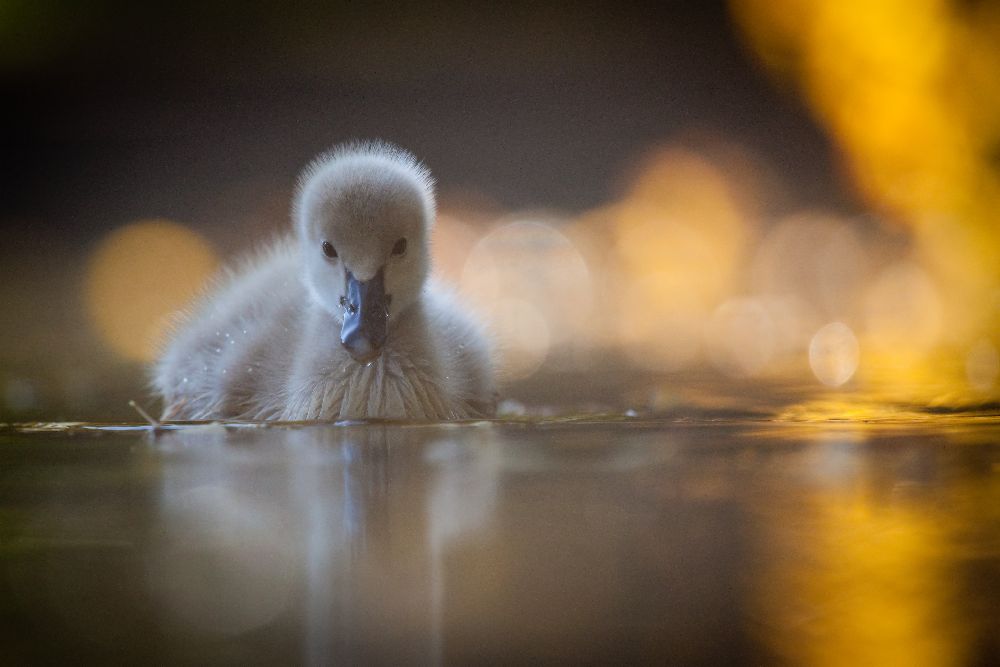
363, 332
348, 306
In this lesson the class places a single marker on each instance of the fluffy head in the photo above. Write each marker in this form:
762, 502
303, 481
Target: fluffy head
362, 199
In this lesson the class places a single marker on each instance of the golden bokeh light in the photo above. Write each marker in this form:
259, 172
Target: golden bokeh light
834, 354
790, 324
681, 222
815, 259
903, 312
532, 284
679, 236
741, 338
657, 337
982, 365
522, 338
963, 260
867, 590
908, 92
138, 277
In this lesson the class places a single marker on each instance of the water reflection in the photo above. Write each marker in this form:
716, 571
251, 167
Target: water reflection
863, 570
344, 528
641, 541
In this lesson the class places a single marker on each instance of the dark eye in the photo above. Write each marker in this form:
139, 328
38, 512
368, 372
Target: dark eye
400, 247
329, 250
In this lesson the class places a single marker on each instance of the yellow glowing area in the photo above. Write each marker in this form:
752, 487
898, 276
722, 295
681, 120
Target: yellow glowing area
138, 277
857, 408
909, 93
834, 354
769, 25
903, 312
665, 290
656, 337
789, 324
982, 365
679, 236
963, 260
868, 590
680, 255
681, 223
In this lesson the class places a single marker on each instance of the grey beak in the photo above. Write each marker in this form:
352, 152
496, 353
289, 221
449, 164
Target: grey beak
366, 317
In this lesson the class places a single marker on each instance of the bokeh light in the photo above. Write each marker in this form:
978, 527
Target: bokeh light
138, 277
815, 259
523, 337
909, 94
903, 312
223, 529
679, 236
533, 286
707, 258
834, 354
982, 365
741, 337
869, 589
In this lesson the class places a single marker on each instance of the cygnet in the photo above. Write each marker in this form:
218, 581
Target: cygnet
339, 319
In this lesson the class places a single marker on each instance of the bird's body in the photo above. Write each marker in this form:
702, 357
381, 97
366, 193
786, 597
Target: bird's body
265, 342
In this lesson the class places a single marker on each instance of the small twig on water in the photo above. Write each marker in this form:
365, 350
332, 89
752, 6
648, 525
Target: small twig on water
145, 415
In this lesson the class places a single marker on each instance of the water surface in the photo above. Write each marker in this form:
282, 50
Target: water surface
590, 540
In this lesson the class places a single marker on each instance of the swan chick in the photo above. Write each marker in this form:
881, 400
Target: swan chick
338, 319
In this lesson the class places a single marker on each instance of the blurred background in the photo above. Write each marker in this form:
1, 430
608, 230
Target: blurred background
781, 207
